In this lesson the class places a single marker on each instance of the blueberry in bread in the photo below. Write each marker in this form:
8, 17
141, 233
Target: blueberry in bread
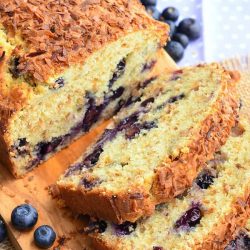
205, 217
65, 66
241, 241
155, 146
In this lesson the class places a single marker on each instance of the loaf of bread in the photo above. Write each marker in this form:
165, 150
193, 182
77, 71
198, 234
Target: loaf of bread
65, 66
205, 217
153, 150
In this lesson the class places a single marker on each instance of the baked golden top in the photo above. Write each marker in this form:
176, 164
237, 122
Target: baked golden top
53, 34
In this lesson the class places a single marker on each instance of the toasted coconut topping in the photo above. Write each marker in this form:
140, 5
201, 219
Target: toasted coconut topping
58, 33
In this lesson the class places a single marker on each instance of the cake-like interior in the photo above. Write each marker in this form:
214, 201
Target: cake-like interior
159, 126
205, 217
82, 97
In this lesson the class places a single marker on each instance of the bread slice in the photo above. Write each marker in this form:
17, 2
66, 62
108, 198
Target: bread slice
64, 67
205, 217
155, 147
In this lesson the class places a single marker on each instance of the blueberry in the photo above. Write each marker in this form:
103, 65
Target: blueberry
59, 82
175, 50
14, 63
205, 180
24, 217
92, 114
171, 26
44, 236
176, 98
89, 184
98, 226
181, 38
3, 231
190, 27
241, 242
149, 2
125, 229
154, 12
189, 219
93, 157
170, 13
120, 69
147, 101
157, 248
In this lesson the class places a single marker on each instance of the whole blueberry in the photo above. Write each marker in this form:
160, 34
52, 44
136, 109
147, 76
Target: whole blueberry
154, 12
3, 231
205, 180
190, 27
175, 50
181, 38
24, 217
170, 13
171, 26
149, 2
44, 236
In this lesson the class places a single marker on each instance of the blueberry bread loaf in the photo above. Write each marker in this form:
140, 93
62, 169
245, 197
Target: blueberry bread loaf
205, 217
153, 150
66, 65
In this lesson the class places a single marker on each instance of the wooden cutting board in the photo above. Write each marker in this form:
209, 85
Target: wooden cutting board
34, 190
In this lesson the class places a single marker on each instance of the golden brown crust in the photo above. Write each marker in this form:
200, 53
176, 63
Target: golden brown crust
217, 239
228, 228
169, 181
57, 34
175, 177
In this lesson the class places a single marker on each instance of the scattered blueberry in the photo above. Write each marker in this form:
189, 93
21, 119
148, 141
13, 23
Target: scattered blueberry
120, 69
125, 229
241, 242
189, 219
154, 12
89, 184
44, 148
14, 67
190, 27
22, 142
148, 66
149, 2
3, 231
24, 217
115, 94
205, 180
181, 38
59, 82
157, 248
176, 98
93, 157
172, 27
98, 226
175, 50
92, 114
146, 83
44, 236
147, 101
170, 13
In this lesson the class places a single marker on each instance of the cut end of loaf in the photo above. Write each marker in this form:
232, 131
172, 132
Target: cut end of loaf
220, 207
173, 115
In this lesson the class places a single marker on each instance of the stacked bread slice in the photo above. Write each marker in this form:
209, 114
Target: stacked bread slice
206, 216
156, 145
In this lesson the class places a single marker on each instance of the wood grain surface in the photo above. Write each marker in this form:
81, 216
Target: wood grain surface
34, 190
